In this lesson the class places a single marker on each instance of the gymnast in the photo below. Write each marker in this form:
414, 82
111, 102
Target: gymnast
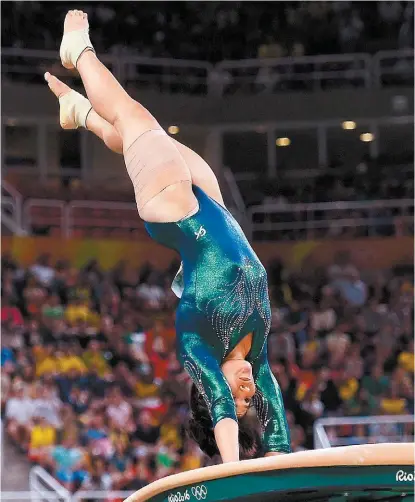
223, 317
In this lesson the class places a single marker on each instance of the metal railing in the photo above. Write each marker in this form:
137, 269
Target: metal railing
50, 218
11, 202
322, 438
40, 496
235, 202
227, 77
44, 487
273, 221
269, 221
103, 215
393, 68
42, 484
297, 73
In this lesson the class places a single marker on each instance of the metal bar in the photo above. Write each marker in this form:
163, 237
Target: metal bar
40, 203
332, 206
247, 126
320, 224
29, 495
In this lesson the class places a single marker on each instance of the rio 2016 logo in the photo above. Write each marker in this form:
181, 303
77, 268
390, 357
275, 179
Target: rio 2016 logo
198, 492
405, 476
179, 497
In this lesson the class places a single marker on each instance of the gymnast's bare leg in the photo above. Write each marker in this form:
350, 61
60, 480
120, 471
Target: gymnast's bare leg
76, 111
162, 181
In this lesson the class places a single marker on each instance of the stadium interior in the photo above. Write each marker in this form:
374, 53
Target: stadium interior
304, 110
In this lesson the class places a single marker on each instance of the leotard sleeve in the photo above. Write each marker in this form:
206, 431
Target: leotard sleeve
270, 407
198, 359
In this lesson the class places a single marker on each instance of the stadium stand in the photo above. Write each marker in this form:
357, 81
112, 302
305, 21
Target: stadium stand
91, 388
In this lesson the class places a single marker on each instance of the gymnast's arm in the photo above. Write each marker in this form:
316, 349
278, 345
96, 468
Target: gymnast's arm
199, 361
270, 408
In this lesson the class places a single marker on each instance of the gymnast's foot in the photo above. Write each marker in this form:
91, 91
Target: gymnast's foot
74, 108
75, 40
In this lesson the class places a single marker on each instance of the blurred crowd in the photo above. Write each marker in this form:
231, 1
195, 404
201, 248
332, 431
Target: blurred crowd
215, 31
91, 388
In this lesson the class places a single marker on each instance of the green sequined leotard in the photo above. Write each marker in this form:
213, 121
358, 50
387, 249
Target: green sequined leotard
225, 297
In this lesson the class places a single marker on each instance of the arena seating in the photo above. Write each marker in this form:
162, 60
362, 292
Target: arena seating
88, 366
181, 30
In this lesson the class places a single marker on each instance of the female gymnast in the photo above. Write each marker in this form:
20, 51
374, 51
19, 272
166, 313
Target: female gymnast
223, 317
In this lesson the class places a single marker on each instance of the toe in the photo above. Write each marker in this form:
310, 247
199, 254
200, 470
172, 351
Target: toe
58, 88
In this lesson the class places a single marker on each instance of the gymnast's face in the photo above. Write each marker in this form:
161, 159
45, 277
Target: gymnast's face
238, 373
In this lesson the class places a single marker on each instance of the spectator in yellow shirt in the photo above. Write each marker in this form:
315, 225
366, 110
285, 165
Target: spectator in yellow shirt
191, 458
77, 310
69, 361
347, 387
393, 403
94, 359
42, 437
145, 386
406, 358
170, 434
46, 362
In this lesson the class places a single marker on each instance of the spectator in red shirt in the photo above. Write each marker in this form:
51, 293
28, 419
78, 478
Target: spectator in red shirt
10, 314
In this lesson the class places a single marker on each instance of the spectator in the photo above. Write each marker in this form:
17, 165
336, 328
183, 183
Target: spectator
68, 361
52, 308
119, 411
392, 403
19, 412
94, 359
67, 461
352, 288
323, 319
296, 322
46, 405
406, 358
42, 271
376, 383
151, 292
42, 438
11, 317
191, 458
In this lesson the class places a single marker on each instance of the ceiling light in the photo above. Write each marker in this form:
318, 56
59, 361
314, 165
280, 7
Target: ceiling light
283, 142
367, 137
173, 129
349, 125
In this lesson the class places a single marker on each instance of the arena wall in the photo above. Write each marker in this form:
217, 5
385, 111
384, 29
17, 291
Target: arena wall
367, 254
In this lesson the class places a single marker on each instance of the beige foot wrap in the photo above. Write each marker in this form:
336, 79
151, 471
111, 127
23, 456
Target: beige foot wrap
74, 109
153, 164
73, 45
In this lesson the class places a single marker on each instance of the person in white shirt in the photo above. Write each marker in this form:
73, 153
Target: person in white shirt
19, 412
43, 272
47, 406
119, 411
151, 292
324, 318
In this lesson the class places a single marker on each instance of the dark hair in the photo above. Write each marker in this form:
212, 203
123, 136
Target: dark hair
200, 429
